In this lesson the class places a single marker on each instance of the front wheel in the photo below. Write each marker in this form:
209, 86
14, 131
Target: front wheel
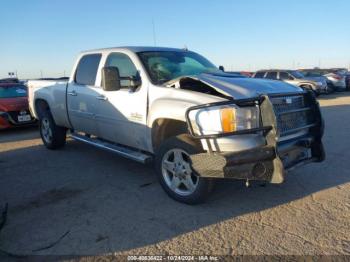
52, 135
174, 170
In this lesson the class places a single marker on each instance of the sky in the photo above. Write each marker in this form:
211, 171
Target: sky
42, 37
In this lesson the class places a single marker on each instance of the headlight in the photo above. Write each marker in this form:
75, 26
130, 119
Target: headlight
319, 83
224, 119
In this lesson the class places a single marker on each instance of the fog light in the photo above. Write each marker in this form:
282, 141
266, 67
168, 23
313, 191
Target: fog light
259, 170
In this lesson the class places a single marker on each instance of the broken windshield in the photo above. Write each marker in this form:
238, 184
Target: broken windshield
163, 66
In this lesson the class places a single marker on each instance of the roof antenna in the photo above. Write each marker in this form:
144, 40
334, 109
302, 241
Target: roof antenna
154, 33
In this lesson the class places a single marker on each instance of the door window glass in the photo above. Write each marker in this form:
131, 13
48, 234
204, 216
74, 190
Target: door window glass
124, 64
87, 69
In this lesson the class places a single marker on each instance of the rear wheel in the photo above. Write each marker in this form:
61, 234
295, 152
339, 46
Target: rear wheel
52, 135
174, 170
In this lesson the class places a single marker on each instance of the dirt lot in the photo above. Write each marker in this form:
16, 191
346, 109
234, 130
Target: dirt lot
111, 205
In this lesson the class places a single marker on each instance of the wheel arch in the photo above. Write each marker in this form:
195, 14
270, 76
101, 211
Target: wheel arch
164, 128
40, 106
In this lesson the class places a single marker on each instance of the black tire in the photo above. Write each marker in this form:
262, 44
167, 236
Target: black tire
185, 143
57, 139
329, 90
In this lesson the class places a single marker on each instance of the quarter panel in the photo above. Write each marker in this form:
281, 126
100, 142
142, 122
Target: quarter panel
55, 96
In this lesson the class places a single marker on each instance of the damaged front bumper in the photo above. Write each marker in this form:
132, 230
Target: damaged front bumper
280, 153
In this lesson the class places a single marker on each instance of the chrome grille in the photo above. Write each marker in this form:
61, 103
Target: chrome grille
293, 114
280, 103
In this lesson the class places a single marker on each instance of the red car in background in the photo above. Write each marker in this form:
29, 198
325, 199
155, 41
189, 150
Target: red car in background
14, 109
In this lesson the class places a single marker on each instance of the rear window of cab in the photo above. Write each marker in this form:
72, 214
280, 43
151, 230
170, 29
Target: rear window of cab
87, 69
13, 91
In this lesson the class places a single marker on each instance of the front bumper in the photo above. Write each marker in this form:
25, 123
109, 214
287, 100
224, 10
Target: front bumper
271, 161
7, 120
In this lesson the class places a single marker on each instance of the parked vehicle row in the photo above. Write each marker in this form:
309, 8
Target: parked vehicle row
336, 77
317, 85
320, 81
175, 108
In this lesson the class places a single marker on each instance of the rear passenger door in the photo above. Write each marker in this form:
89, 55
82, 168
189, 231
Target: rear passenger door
81, 95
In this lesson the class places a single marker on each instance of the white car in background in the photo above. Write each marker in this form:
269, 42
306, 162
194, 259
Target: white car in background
335, 77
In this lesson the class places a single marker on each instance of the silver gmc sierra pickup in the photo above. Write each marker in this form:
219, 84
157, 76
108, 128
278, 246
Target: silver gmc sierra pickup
174, 108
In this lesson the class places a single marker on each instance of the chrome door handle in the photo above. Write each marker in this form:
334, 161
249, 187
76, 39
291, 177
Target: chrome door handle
102, 97
73, 93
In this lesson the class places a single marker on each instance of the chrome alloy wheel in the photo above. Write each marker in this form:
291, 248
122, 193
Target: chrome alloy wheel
177, 172
46, 130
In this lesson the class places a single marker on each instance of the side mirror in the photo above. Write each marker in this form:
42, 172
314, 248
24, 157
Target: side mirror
134, 82
110, 78
222, 68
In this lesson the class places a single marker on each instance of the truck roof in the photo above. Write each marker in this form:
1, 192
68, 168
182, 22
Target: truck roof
136, 49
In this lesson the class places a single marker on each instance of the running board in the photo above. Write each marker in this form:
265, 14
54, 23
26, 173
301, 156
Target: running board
120, 150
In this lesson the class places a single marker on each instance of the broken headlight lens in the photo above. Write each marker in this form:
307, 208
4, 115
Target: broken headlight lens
224, 119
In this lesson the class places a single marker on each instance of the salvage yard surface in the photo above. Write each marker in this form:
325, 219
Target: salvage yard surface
84, 201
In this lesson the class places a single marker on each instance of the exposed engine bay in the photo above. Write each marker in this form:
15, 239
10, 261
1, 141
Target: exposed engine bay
192, 84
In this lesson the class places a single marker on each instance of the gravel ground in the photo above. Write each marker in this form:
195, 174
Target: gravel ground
108, 204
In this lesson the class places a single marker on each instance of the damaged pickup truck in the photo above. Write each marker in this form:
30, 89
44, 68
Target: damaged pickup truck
174, 108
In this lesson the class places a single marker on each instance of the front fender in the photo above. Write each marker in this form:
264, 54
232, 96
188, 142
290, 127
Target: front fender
173, 106
170, 109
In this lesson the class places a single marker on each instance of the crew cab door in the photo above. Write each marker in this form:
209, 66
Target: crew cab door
81, 95
122, 113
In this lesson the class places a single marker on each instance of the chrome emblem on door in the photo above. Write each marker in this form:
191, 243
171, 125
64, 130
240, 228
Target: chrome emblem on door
136, 117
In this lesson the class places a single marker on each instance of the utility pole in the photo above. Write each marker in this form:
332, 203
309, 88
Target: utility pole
41, 73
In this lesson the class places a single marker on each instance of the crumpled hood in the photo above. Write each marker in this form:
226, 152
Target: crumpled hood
240, 88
